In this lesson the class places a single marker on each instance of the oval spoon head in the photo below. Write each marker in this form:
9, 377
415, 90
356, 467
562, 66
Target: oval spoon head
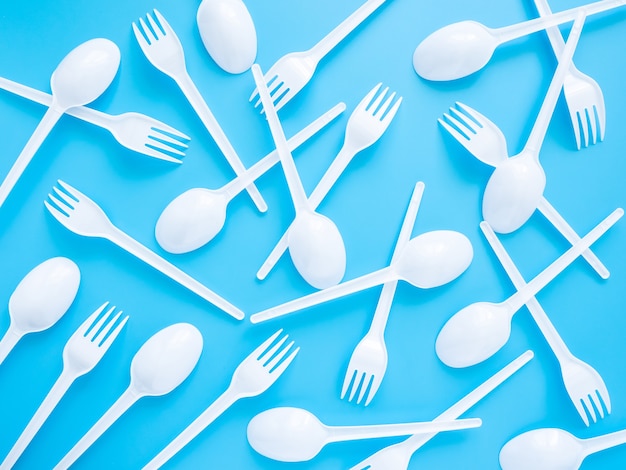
454, 51
44, 295
434, 258
473, 334
317, 250
85, 73
166, 359
287, 434
513, 193
548, 448
191, 220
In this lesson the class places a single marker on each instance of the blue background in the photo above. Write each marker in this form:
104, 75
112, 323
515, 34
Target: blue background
368, 205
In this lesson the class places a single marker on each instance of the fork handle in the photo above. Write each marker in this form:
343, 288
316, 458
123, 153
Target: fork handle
48, 404
221, 404
333, 38
148, 256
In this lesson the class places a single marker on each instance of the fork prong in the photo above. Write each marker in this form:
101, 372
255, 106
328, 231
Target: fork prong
75, 193
367, 380
102, 334
381, 110
140, 34
259, 351
267, 356
597, 401
461, 121
94, 328
367, 99
276, 359
471, 112
163, 128
61, 199
392, 112
358, 381
148, 33
164, 146
376, 381
581, 411
114, 334
587, 403
87, 325
347, 380
283, 365
156, 29
61, 206
601, 114
165, 26
161, 153
56, 213
373, 106
583, 122
603, 393
452, 131
169, 138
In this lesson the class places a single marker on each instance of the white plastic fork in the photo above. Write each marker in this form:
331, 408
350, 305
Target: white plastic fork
293, 71
398, 456
134, 131
164, 50
81, 215
582, 93
368, 362
252, 377
366, 125
485, 141
81, 354
584, 385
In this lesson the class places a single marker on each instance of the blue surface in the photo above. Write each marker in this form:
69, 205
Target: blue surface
368, 205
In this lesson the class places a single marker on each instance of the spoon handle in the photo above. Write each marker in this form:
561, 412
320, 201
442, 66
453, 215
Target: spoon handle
353, 433
346, 288
203, 111
149, 257
333, 38
524, 28
221, 404
8, 341
286, 159
53, 114
517, 300
51, 400
112, 414
538, 132
599, 443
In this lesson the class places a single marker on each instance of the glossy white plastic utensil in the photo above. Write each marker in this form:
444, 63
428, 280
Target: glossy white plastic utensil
81, 77
368, 362
554, 449
293, 71
398, 456
81, 215
582, 93
460, 49
296, 435
479, 330
194, 217
134, 131
228, 34
81, 354
162, 363
366, 125
315, 243
40, 299
485, 141
583, 383
253, 376
164, 50
428, 260
516, 186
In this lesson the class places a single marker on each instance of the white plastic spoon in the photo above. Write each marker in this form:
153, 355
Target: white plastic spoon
81, 77
460, 49
479, 330
40, 299
194, 217
554, 449
160, 365
429, 260
228, 34
296, 435
315, 244
516, 187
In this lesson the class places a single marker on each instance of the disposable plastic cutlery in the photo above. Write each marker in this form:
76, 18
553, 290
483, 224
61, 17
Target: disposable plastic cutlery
194, 217
293, 71
429, 260
582, 93
82, 352
134, 131
81, 215
160, 365
485, 141
296, 435
40, 300
315, 244
81, 77
163, 49
460, 49
479, 330
398, 456
367, 123
584, 385
253, 376
554, 449
368, 363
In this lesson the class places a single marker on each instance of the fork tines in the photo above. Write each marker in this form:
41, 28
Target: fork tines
167, 143
273, 357
95, 329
